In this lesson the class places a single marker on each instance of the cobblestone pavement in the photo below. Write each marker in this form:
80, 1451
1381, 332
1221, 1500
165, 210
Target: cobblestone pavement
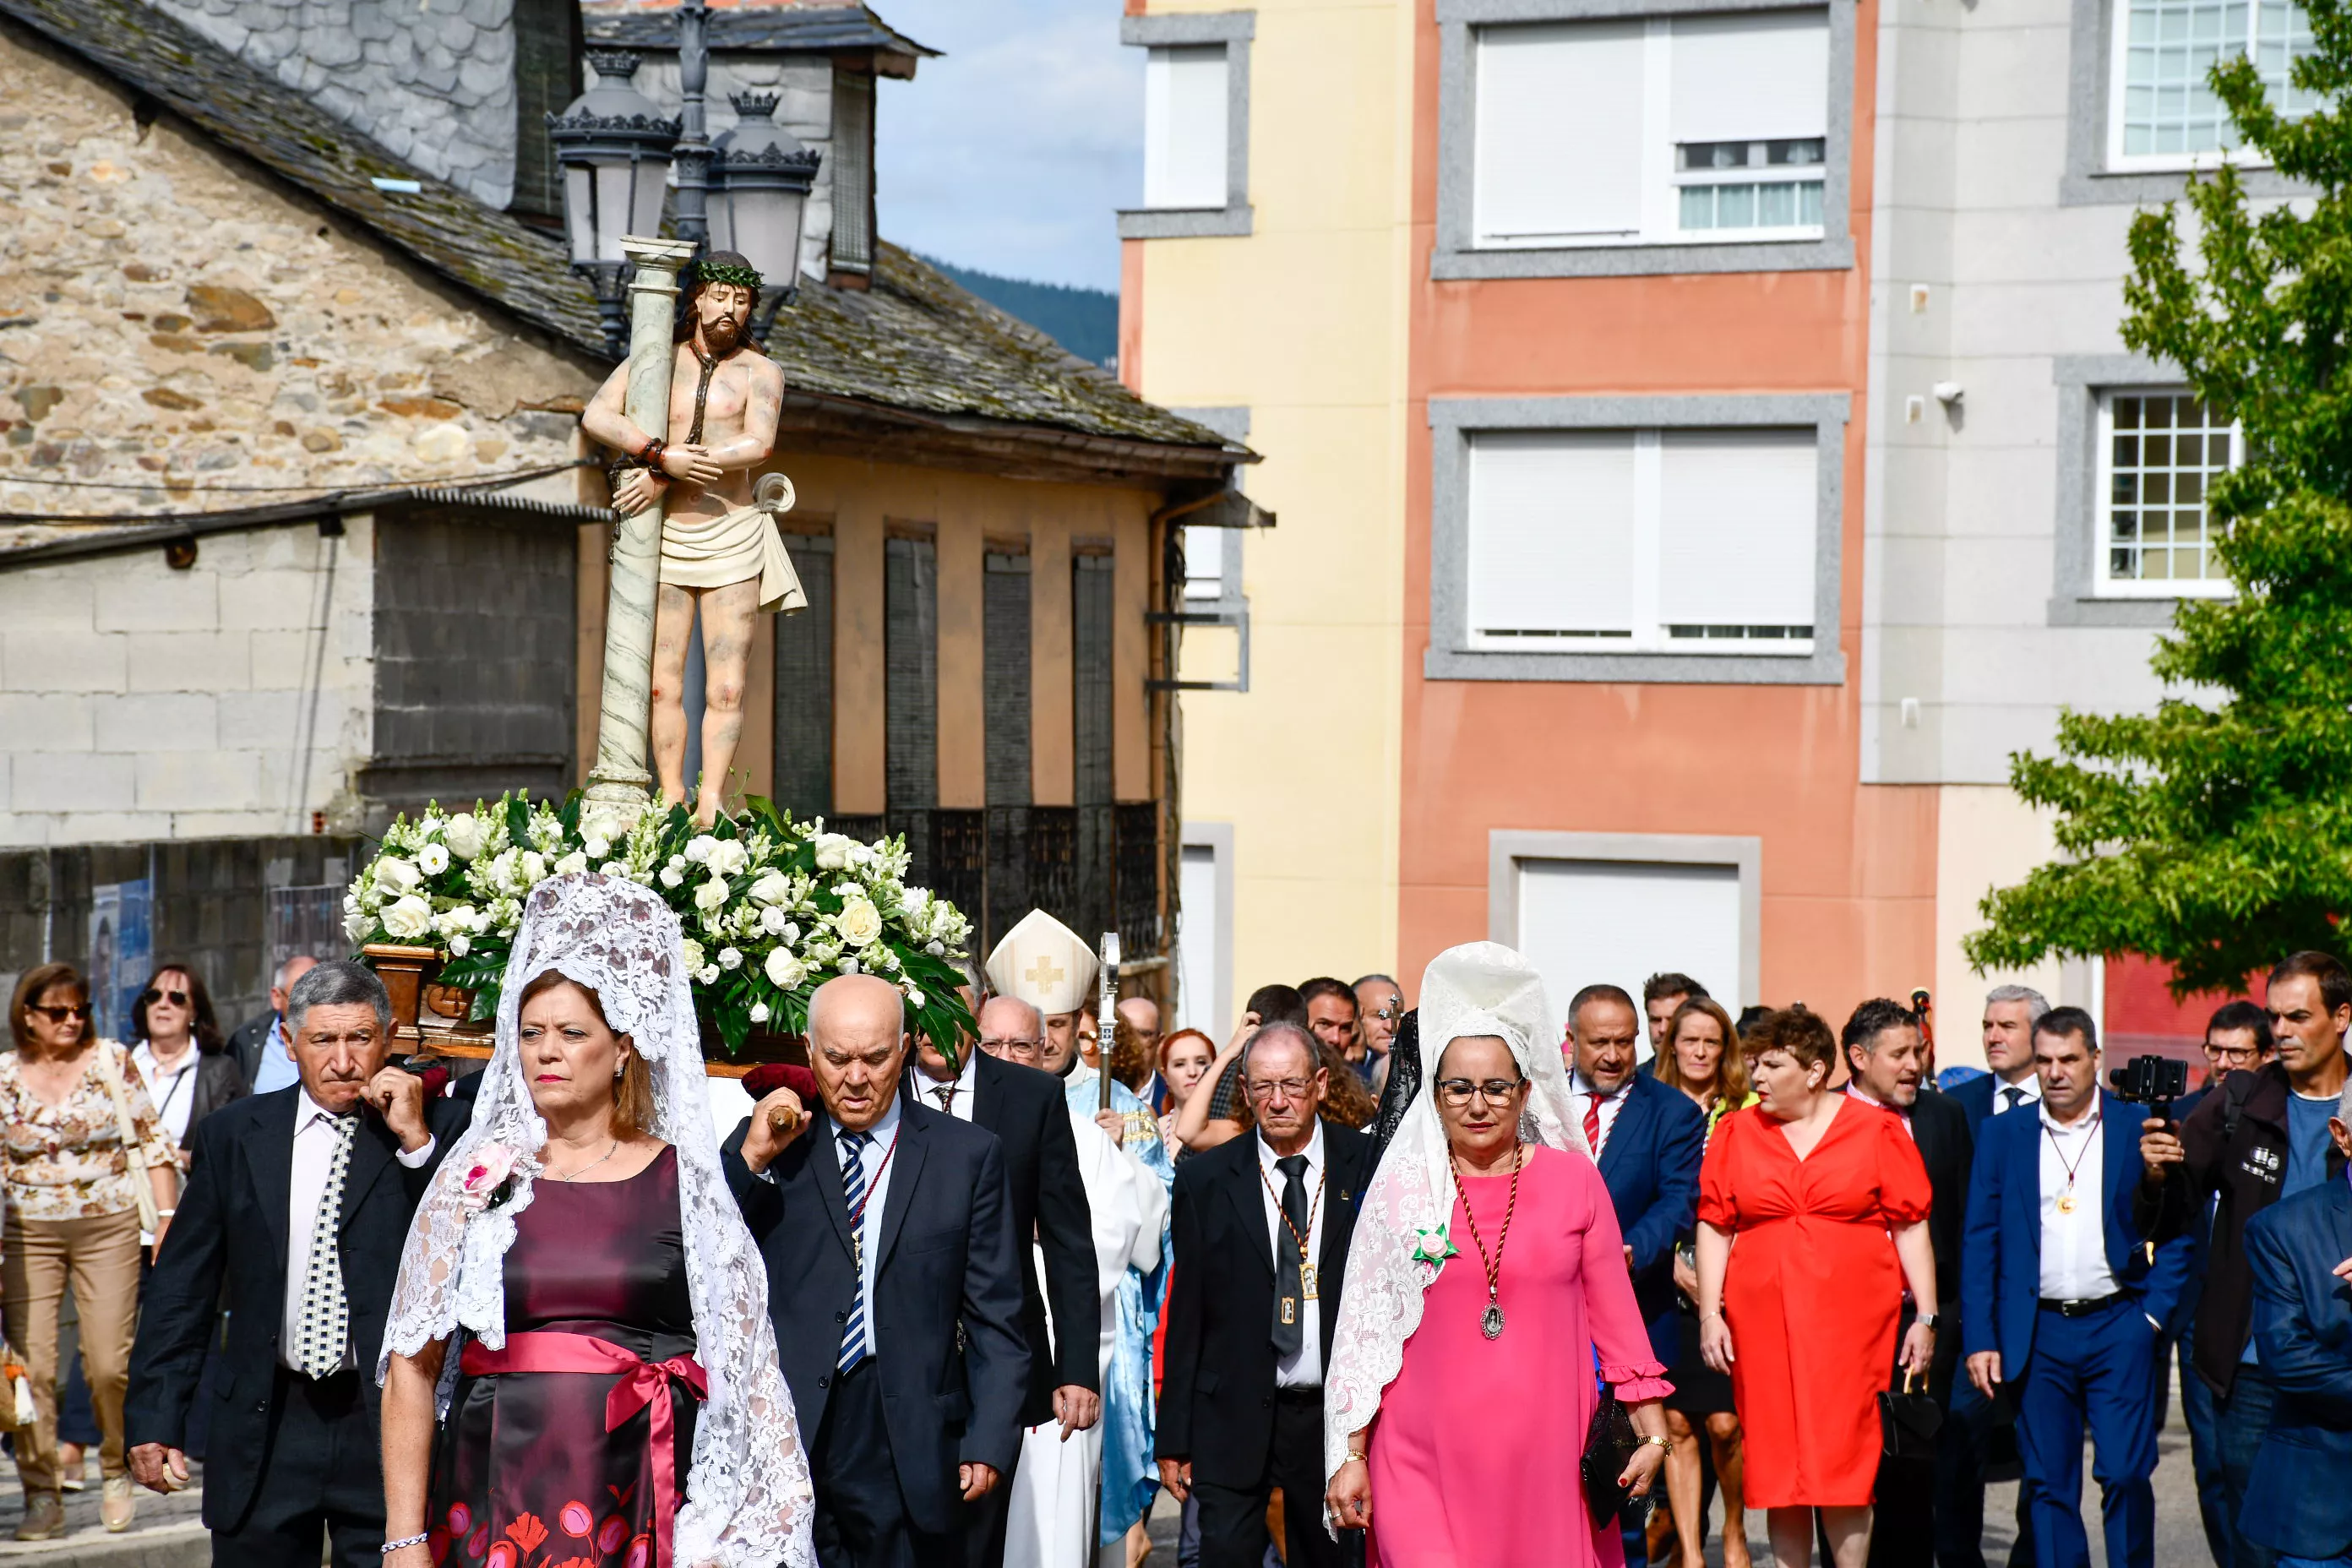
165, 1534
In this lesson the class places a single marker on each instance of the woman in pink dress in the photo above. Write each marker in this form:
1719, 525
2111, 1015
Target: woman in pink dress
1485, 1282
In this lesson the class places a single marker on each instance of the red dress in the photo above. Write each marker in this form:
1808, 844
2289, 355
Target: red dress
1812, 1293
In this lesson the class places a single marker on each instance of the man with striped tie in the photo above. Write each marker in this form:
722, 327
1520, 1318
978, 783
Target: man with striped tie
887, 1234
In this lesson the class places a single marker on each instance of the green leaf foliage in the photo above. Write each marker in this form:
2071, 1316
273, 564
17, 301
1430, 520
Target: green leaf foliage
2215, 833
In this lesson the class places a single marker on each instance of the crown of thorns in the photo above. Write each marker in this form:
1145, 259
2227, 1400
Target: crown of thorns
727, 272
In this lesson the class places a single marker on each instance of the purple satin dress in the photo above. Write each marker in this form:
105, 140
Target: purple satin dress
525, 1474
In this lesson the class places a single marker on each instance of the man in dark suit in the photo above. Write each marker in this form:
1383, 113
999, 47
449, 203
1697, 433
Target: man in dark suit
292, 1454
1918, 1504
887, 1233
260, 1042
1261, 1233
2060, 1299
1026, 1109
2300, 1253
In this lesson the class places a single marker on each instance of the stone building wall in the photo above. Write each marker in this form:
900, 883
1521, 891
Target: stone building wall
432, 80
173, 319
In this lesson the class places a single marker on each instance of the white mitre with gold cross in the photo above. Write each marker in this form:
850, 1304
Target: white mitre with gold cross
1045, 963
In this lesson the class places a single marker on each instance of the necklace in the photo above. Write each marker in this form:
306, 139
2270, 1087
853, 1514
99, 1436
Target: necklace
1308, 1280
1490, 1322
702, 392
589, 1166
2065, 1204
857, 1215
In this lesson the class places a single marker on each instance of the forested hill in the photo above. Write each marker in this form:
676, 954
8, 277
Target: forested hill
1082, 321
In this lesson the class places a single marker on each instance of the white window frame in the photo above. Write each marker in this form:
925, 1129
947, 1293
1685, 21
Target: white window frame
1233, 31
2118, 69
1662, 247
2104, 583
1454, 654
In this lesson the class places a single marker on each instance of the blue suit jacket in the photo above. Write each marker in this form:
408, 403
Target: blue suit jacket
2000, 1252
2297, 1502
1650, 1164
1975, 1097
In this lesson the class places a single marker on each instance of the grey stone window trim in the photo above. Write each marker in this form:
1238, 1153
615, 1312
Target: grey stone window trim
1453, 421
2075, 599
1231, 607
2090, 78
1510, 848
1234, 29
1456, 257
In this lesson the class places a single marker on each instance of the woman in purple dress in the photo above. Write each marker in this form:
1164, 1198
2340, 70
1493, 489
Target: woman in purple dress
580, 1303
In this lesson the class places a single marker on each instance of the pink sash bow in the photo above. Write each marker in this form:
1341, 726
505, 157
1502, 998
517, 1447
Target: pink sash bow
639, 1387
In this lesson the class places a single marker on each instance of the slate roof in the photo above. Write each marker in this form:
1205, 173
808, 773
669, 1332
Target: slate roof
914, 343
812, 28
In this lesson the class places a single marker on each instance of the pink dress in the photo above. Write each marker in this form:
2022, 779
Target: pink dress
1473, 1454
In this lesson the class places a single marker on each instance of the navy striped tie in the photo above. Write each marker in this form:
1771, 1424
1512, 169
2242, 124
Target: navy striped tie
854, 1348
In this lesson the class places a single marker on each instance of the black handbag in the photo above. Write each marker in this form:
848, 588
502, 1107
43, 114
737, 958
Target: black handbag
1908, 1423
1608, 1448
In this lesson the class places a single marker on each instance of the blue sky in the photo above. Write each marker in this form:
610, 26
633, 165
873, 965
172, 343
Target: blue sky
1012, 151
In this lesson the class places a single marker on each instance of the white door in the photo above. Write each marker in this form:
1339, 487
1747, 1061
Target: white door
1586, 922
1199, 943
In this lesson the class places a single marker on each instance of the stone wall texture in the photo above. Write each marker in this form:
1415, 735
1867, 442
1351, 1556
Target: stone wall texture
174, 321
432, 80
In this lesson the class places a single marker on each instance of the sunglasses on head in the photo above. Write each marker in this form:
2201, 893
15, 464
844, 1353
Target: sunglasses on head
149, 997
76, 1011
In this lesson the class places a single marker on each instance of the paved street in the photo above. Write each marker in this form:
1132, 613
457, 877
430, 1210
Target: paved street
166, 1534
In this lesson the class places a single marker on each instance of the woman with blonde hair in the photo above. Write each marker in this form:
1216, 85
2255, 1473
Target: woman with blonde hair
1702, 1059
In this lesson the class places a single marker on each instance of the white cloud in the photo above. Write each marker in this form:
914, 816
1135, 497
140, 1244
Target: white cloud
1012, 151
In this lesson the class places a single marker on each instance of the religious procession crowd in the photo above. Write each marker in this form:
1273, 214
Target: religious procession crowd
1472, 1282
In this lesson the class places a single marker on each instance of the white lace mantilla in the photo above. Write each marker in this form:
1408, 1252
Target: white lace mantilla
1480, 988
748, 1501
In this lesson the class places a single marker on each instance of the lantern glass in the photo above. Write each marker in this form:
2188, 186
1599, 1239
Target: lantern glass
763, 222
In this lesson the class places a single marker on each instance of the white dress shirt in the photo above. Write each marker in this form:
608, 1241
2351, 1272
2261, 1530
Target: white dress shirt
2074, 1246
1854, 1091
965, 1084
2026, 1091
173, 1092
1303, 1370
1581, 1094
314, 1152
878, 1166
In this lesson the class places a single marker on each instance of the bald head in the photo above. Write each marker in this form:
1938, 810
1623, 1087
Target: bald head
1012, 1029
856, 1030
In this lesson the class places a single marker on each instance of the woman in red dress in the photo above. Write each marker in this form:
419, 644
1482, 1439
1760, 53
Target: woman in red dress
1812, 1220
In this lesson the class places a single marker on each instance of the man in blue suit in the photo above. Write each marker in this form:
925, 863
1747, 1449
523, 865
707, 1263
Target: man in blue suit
2060, 1299
1648, 1139
2300, 1251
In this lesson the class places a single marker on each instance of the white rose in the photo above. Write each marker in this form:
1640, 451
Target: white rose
936, 949
914, 997
859, 923
848, 965
711, 895
456, 918
467, 834
730, 958
728, 858
708, 974
459, 943
596, 845
770, 887
572, 864
433, 859
693, 950
774, 920
759, 1012
532, 868
394, 877
355, 926
671, 876
408, 918
785, 970
698, 848
792, 932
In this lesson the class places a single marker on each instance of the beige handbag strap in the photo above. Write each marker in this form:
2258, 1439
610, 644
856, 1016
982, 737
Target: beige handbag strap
143, 1185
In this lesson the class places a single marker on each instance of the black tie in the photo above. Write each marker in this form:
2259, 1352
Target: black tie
1290, 1303
2016, 1097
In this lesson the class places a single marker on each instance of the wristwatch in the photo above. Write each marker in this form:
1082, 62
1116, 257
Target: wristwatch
1665, 1443
1927, 1318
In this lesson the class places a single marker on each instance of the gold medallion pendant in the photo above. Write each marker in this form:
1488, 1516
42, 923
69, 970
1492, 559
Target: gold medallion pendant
2065, 1202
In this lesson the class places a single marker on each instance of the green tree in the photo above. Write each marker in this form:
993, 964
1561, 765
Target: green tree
2216, 832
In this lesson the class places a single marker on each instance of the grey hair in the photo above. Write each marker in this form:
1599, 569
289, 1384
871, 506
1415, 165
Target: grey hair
2035, 1003
2343, 1105
277, 978
1282, 1027
337, 982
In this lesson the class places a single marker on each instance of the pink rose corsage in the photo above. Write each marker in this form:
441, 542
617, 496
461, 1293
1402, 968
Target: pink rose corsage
486, 1176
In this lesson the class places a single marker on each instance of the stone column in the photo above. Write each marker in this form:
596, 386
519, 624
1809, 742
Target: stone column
620, 784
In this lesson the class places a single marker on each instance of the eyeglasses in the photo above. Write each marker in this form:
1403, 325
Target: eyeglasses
148, 998
77, 1011
1457, 1091
997, 1048
1291, 1087
2236, 1056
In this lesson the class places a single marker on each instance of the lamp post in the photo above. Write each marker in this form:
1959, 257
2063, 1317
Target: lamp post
614, 149
693, 153
761, 201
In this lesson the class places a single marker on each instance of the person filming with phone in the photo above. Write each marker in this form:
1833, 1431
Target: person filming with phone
293, 1459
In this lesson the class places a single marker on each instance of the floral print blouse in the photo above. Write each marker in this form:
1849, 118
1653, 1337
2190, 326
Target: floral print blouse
66, 1162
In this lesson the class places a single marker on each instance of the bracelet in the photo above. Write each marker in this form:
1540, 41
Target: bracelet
1359, 1458
1665, 1443
166, 1214
406, 1541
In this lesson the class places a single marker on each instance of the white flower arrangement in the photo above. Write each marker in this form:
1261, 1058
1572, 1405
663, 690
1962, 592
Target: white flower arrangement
771, 907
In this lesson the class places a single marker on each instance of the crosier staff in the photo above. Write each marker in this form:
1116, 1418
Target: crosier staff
1107, 1012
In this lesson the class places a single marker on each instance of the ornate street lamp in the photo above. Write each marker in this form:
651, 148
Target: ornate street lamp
760, 201
614, 150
